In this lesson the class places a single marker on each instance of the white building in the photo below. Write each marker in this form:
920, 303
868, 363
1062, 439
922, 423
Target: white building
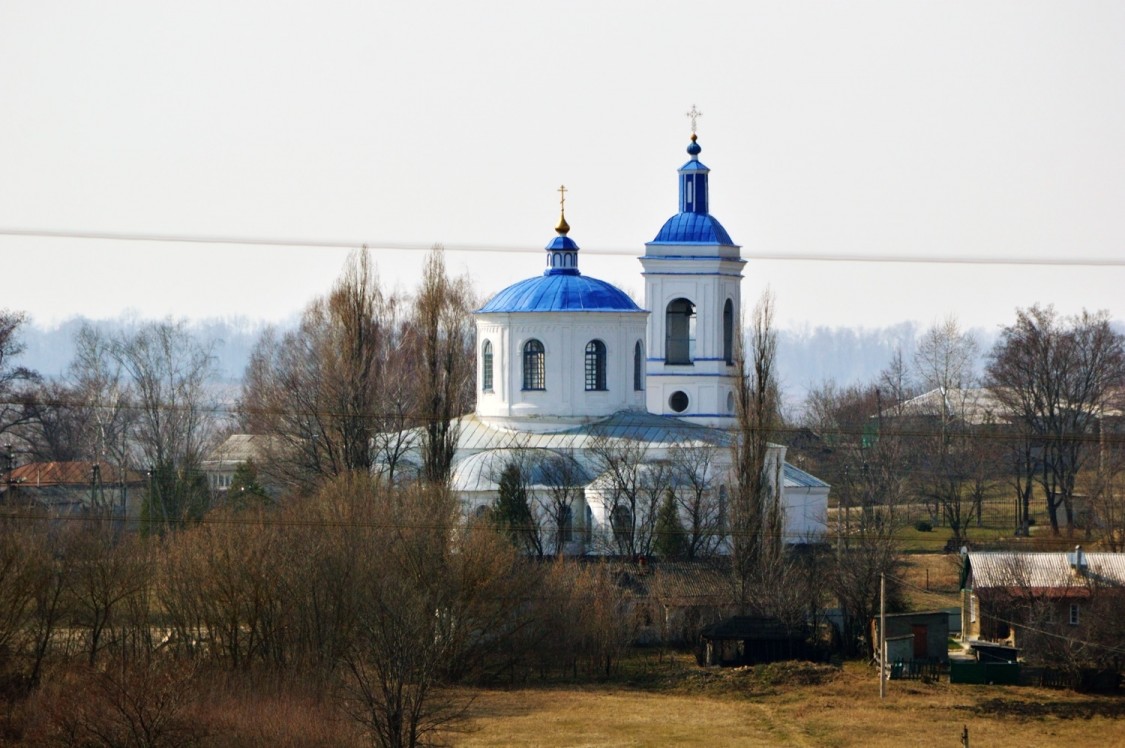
572, 376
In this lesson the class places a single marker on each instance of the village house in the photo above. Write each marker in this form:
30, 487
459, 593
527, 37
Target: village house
1002, 592
69, 488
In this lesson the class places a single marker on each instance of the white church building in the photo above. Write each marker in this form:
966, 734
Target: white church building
574, 379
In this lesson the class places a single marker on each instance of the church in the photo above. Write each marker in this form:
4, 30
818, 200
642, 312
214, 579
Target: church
605, 409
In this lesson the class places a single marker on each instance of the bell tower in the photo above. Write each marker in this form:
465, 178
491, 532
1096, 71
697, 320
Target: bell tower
693, 276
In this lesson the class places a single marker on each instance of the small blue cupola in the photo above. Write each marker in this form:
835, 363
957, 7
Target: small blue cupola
693, 181
562, 252
694, 224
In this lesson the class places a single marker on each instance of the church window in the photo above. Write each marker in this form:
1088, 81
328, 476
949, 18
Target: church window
679, 332
589, 529
678, 401
728, 332
534, 366
638, 366
622, 521
595, 365
486, 366
566, 525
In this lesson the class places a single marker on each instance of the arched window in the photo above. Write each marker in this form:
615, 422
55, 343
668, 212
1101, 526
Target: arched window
622, 521
638, 366
486, 366
566, 525
728, 332
679, 332
534, 366
595, 365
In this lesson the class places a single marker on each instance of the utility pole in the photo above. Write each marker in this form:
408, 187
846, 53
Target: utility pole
10, 457
882, 636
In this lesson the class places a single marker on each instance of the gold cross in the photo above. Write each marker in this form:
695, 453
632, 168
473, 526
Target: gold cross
562, 197
694, 116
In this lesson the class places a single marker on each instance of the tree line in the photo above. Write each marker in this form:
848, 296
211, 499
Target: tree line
357, 568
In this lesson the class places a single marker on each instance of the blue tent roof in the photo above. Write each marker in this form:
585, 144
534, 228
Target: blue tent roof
692, 228
561, 293
562, 242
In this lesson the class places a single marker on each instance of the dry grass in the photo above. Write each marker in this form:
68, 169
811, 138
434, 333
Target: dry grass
755, 708
933, 580
667, 700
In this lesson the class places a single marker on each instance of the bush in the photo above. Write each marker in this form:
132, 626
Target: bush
924, 525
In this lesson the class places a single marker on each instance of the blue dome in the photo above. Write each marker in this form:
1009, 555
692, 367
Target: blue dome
562, 242
692, 228
561, 293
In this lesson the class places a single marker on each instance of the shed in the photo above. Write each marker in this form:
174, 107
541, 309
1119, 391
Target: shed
750, 640
927, 629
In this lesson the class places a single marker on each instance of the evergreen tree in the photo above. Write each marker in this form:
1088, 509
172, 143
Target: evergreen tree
671, 538
174, 498
245, 490
511, 512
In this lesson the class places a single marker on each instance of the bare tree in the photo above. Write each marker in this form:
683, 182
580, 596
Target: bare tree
561, 496
948, 447
869, 467
1054, 375
621, 485
946, 356
1107, 487
442, 337
56, 427
167, 373
19, 579
327, 391
105, 572
756, 522
436, 605
698, 496
15, 381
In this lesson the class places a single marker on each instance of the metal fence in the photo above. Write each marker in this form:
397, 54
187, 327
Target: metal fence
928, 670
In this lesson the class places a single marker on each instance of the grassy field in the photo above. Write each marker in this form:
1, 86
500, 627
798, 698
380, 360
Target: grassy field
788, 704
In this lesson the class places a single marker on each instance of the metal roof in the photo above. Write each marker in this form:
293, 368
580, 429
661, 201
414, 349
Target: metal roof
694, 165
483, 449
543, 468
693, 228
1041, 571
239, 448
973, 405
41, 474
563, 242
796, 478
560, 293
659, 431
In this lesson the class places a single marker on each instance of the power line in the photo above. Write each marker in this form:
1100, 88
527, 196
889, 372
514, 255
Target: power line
231, 410
346, 243
1018, 624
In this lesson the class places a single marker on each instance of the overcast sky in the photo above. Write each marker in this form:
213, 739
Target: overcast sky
858, 131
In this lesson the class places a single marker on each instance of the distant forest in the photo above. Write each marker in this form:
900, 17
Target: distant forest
806, 357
